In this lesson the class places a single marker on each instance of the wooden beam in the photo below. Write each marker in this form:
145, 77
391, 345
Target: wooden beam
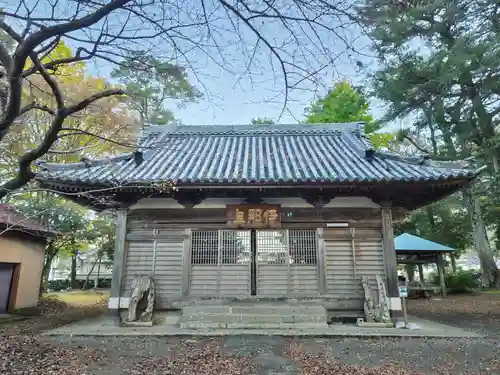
415, 261
391, 267
317, 200
118, 262
369, 217
189, 199
401, 195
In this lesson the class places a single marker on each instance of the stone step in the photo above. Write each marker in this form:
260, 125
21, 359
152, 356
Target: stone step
255, 310
285, 310
243, 325
256, 316
262, 318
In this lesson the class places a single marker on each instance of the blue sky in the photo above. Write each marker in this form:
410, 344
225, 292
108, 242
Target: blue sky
232, 100
234, 94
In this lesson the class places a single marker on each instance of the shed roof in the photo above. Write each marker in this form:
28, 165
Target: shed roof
12, 220
409, 243
306, 154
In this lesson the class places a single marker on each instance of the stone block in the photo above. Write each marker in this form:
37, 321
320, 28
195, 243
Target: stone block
233, 318
279, 309
204, 309
137, 324
201, 325
243, 325
254, 316
374, 324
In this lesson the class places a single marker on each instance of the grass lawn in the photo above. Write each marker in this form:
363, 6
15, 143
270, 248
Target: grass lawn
79, 298
58, 308
492, 291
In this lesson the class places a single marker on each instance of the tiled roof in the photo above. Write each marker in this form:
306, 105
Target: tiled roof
12, 220
258, 154
409, 242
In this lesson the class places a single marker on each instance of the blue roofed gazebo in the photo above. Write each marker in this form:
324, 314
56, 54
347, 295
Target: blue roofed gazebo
409, 243
411, 249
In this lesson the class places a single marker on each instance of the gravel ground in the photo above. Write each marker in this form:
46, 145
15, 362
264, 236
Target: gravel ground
251, 355
477, 312
22, 352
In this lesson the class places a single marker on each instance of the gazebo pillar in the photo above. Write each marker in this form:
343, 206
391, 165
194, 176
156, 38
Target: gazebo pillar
421, 272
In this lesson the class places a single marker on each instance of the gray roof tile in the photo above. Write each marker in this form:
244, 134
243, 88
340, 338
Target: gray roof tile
269, 154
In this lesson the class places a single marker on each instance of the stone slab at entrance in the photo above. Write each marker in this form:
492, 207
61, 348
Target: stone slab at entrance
254, 316
168, 326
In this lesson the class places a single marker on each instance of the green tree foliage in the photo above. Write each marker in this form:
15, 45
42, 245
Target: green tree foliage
104, 236
262, 121
346, 103
440, 67
150, 83
71, 222
445, 222
76, 231
441, 64
106, 118
343, 103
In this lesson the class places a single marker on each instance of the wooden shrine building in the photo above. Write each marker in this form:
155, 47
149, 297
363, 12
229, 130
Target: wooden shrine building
256, 212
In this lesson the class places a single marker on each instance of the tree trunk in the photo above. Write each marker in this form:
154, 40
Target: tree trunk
96, 284
453, 263
490, 272
73, 271
90, 272
410, 271
430, 215
50, 254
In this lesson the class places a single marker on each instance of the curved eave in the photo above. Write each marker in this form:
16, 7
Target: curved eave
84, 185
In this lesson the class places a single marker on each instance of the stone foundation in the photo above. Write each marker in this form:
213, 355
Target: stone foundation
254, 316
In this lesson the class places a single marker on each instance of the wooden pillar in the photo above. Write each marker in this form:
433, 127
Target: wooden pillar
118, 262
421, 272
440, 268
321, 262
391, 267
186, 263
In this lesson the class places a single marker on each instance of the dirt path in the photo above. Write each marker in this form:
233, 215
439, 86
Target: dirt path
22, 352
477, 312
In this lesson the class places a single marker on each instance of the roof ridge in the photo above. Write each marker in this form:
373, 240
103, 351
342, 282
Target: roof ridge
264, 129
85, 163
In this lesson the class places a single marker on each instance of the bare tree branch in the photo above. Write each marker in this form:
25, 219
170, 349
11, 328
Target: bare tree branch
298, 41
75, 131
35, 105
84, 103
25, 173
26, 49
